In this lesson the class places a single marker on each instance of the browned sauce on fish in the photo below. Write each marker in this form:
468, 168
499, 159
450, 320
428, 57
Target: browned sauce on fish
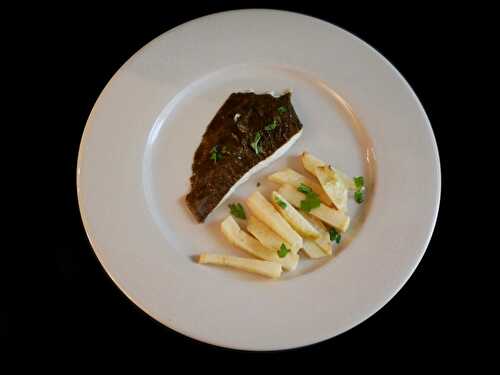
246, 130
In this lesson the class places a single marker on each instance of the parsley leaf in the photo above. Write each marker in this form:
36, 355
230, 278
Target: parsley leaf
273, 125
215, 153
360, 186
304, 189
283, 251
255, 144
237, 211
359, 182
312, 199
280, 202
334, 235
282, 109
359, 196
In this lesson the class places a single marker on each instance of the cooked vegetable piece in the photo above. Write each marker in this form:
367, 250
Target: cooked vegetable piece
329, 215
266, 213
310, 162
313, 250
238, 237
333, 186
261, 267
296, 220
291, 177
323, 241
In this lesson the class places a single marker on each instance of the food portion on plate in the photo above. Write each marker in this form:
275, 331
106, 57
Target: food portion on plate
261, 267
305, 215
248, 133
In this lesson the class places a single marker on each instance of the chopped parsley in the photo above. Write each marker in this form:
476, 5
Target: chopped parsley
283, 251
360, 186
282, 109
359, 196
237, 211
334, 235
312, 199
304, 189
280, 202
273, 125
359, 182
255, 144
215, 154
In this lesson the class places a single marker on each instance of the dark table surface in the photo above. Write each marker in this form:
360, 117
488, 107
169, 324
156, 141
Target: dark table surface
80, 303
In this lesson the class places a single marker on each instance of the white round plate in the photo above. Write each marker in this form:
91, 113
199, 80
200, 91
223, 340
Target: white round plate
135, 162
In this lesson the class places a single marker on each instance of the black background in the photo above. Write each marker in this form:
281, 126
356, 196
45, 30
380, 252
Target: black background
77, 303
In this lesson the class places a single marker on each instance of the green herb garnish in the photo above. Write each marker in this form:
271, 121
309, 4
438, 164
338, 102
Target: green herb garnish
273, 125
282, 109
359, 196
255, 144
334, 235
237, 211
304, 189
280, 202
359, 182
283, 251
215, 153
312, 199
360, 186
